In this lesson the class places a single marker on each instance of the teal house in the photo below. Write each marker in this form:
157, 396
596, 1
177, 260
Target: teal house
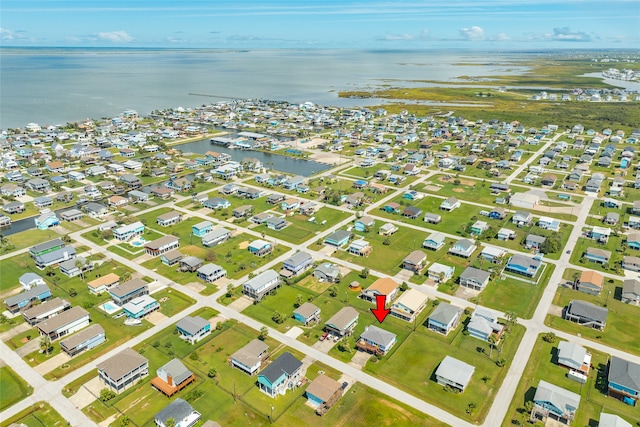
281, 375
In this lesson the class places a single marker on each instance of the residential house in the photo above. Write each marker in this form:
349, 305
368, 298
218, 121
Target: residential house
364, 224
211, 272
280, 375
523, 265
201, 228
55, 257
261, 218
296, 264
631, 291
624, 380
415, 261
633, 240
533, 241
586, 314
216, 203
243, 211
450, 204
376, 340
24, 300
46, 310
391, 207
483, 324
169, 218
338, 238
42, 202
601, 234
444, 318
257, 287
409, 305
260, 247
492, 254
547, 223
65, 323
574, 356
86, 339
39, 185
412, 212
250, 357
463, 248
590, 282
276, 223
522, 218
131, 181
432, 218
360, 247
103, 283
440, 273
434, 241
383, 286
551, 401
13, 208
479, 227
96, 210
631, 263
610, 420
122, 371
474, 278
193, 329
387, 229
140, 306
172, 377
71, 215
75, 267
190, 264
324, 391
343, 322
327, 271
454, 373
161, 245
29, 280
125, 292
307, 313
172, 257
597, 255
128, 231
216, 236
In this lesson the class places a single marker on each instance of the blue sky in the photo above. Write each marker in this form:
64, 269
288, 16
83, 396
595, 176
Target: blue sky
432, 24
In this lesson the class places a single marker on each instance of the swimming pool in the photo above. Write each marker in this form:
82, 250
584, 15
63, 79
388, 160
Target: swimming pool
138, 241
109, 307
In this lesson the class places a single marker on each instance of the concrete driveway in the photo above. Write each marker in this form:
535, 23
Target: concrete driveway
52, 363
87, 394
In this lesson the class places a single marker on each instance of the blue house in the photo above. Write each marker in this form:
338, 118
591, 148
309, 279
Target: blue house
260, 247
434, 241
216, 203
633, 240
624, 380
24, 299
84, 340
293, 182
193, 329
307, 313
201, 228
323, 390
364, 224
555, 401
444, 318
279, 376
597, 255
338, 238
46, 221
140, 307
376, 340
523, 265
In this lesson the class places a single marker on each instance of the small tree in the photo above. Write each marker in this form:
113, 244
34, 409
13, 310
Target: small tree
210, 256
386, 241
471, 407
106, 395
72, 292
170, 422
124, 421
229, 290
212, 373
364, 273
333, 291
492, 344
549, 337
45, 344
404, 286
277, 317
264, 333
299, 301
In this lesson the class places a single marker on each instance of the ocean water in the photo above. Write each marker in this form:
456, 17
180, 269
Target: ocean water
59, 85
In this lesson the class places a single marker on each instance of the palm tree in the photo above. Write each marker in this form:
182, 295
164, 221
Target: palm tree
492, 344
45, 344
80, 266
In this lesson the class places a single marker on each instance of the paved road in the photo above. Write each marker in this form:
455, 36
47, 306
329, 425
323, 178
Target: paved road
50, 391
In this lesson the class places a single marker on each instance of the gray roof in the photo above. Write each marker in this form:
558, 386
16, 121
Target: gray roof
562, 399
298, 258
178, 410
215, 233
122, 363
46, 306
328, 269
177, 370
624, 373
285, 363
378, 335
306, 309
191, 261
95, 207
465, 243
29, 277
203, 224
71, 264
343, 317
475, 273
535, 238
574, 352
127, 287
256, 282
523, 260
610, 420
46, 245
631, 286
62, 319
444, 313
249, 354
455, 370
169, 215
26, 295
192, 324
599, 252
82, 336
338, 235
209, 269
161, 241
588, 311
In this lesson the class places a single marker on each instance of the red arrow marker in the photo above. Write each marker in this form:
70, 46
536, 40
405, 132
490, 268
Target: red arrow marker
380, 311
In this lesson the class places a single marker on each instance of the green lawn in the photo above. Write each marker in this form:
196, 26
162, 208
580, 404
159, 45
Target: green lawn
412, 368
300, 229
614, 245
515, 295
13, 388
542, 366
175, 301
26, 239
621, 320
38, 415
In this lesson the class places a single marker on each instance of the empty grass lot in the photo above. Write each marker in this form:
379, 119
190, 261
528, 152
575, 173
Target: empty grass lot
621, 320
37, 415
13, 388
543, 365
300, 229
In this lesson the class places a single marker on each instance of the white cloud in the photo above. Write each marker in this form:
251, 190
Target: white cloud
115, 36
6, 34
423, 35
564, 34
502, 37
473, 33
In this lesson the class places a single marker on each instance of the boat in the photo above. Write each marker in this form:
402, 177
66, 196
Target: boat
132, 322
